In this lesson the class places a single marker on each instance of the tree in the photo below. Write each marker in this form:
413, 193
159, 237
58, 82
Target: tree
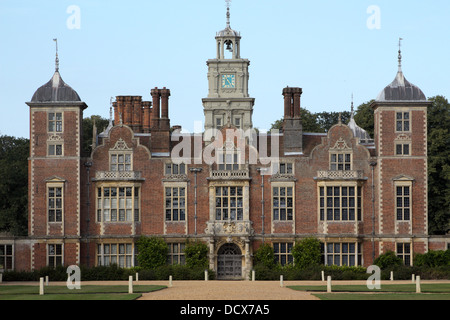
307, 253
88, 125
14, 154
364, 117
152, 252
265, 256
328, 119
317, 122
196, 255
388, 260
439, 165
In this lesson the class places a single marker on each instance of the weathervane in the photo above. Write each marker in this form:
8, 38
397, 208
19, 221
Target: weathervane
228, 12
110, 109
353, 108
400, 54
57, 59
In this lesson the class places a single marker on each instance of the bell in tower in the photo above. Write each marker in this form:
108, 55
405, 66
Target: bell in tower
228, 39
228, 101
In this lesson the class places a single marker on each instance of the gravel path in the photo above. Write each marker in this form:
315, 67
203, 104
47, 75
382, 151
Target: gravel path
226, 290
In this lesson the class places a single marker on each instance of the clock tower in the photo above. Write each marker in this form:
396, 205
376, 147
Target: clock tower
228, 101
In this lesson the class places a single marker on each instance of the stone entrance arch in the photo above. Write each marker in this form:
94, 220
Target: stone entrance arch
229, 262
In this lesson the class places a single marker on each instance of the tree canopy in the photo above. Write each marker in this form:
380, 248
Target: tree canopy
14, 185
439, 165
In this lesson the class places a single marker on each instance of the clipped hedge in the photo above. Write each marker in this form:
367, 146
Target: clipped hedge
292, 273
112, 273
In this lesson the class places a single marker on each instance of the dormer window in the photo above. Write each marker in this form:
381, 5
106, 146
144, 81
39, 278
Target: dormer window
340, 162
286, 168
403, 120
228, 161
121, 162
173, 169
55, 122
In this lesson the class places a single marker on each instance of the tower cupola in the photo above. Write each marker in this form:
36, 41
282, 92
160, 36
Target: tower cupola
228, 40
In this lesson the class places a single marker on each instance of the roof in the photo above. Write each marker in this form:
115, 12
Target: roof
228, 32
56, 90
401, 90
359, 132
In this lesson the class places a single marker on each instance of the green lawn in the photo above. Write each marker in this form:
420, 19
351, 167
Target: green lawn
439, 291
116, 292
382, 296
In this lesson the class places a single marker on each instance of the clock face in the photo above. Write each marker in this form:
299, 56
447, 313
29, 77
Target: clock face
228, 81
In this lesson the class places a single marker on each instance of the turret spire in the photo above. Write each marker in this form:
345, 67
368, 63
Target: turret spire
400, 54
57, 59
228, 13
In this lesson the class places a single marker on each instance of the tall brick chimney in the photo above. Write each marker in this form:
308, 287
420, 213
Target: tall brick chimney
292, 126
160, 122
292, 102
165, 121
119, 107
146, 116
156, 95
128, 111
136, 123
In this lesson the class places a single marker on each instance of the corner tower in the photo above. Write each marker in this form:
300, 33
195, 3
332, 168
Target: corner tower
54, 178
228, 101
401, 143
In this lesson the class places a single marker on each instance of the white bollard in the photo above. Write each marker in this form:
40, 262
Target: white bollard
418, 290
137, 277
1, 277
46, 281
253, 275
413, 278
130, 284
392, 275
281, 281
323, 276
170, 281
329, 284
206, 275
41, 286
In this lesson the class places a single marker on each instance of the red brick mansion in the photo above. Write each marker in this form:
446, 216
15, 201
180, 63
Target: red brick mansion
230, 187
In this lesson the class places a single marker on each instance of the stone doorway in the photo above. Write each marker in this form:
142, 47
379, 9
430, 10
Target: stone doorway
229, 262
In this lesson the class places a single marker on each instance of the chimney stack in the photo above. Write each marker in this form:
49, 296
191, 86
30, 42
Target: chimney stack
292, 126
160, 122
156, 95
146, 115
165, 122
292, 102
128, 111
136, 124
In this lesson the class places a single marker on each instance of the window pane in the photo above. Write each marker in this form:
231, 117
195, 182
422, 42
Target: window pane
406, 126
406, 149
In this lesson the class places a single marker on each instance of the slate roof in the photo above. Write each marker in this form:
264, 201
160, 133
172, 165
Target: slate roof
56, 90
401, 90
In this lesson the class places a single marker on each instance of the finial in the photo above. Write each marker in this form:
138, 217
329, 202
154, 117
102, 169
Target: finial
228, 13
57, 59
400, 54
111, 109
353, 109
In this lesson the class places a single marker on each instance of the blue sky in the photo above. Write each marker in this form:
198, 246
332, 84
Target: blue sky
129, 47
